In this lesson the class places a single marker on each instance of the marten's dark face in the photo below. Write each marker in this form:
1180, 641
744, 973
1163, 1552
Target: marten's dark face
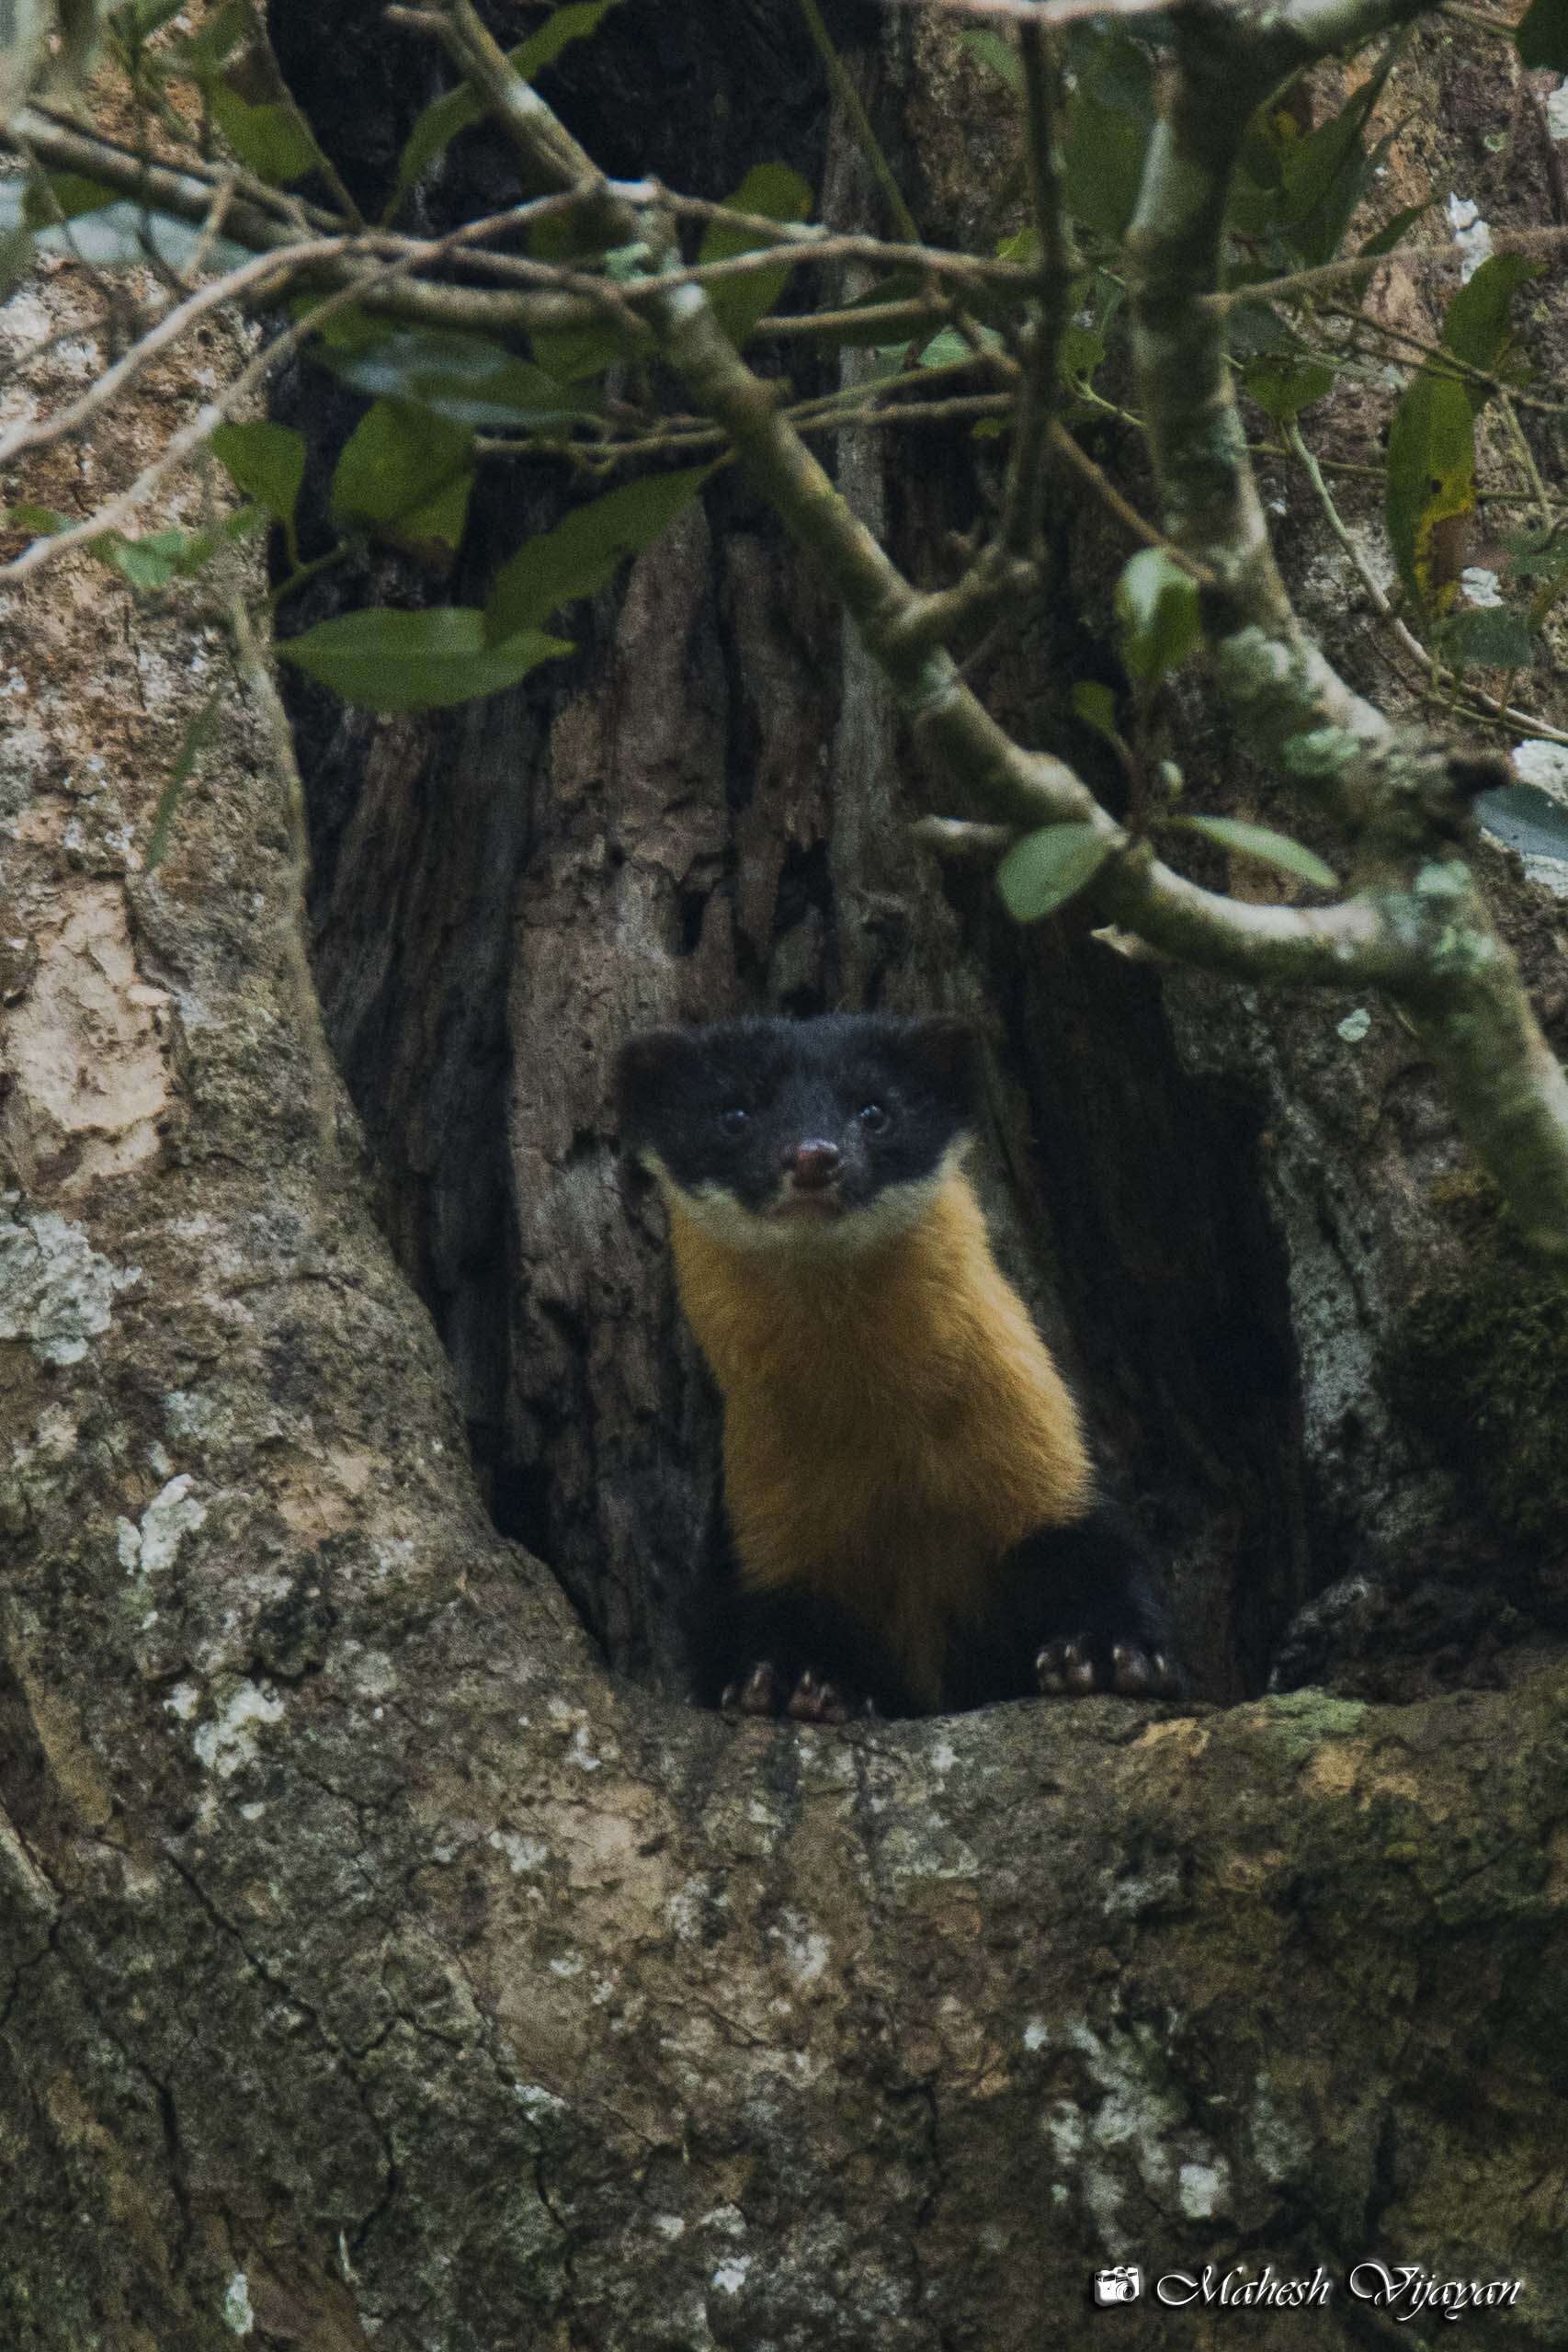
828, 1134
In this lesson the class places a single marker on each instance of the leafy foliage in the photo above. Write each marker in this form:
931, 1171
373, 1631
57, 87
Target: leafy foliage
414, 660
407, 473
1045, 869
465, 378
1268, 848
586, 549
459, 109
443, 402
1431, 486
780, 194
1156, 604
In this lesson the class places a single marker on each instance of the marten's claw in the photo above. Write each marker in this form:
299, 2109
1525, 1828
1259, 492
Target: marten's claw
1132, 1671
1065, 1669
1145, 1674
816, 1702
759, 1694
765, 1693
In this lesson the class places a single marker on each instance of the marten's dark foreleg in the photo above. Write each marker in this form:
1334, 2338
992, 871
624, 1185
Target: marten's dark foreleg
1077, 1609
786, 1652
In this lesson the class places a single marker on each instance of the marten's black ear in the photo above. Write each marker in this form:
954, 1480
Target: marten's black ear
946, 1050
648, 1073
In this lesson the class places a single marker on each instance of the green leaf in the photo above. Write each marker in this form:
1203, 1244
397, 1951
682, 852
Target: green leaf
1107, 128
1096, 706
1044, 870
16, 260
1104, 165
1315, 164
139, 19
350, 329
1283, 384
1477, 328
414, 660
270, 139
946, 350
1254, 327
951, 349
194, 742
1302, 187
1528, 820
42, 521
571, 354
1536, 555
1268, 848
1491, 635
266, 461
205, 52
1389, 234
1430, 486
463, 378
572, 22
150, 563
864, 320
445, 117
998, 55
1542, 35
117, 233
406, 472
1156, 603
738, 302
585, 551
67, 195
433, 131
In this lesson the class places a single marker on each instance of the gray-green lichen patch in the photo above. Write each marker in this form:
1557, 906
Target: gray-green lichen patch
1135, 2138
230, 1741
56, 1293
1304, 1719
173, 1514
237, 2312
1322, 753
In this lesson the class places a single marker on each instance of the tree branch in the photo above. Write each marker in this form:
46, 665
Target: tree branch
1405, 796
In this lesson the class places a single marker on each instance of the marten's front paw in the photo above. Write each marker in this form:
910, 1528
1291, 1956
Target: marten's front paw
1080, 1668
765, 1691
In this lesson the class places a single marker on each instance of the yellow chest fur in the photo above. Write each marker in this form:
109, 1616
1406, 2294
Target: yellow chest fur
893, 1424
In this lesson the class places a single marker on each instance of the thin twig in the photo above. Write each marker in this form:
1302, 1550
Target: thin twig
850, 100
38, 433
1376, 594
1083, 464
1444, 360
182, 444
1335, 273
1037, 388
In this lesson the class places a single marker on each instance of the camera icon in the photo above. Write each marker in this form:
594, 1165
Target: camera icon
1124, 2284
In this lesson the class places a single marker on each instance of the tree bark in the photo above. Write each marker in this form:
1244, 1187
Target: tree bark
376, 1968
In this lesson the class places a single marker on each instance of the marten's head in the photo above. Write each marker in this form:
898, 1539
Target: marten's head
826, 1135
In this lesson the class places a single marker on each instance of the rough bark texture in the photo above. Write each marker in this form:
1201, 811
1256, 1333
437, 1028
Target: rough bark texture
376, 1969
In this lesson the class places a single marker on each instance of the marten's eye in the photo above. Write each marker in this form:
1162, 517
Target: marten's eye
874, 1118
734, 1120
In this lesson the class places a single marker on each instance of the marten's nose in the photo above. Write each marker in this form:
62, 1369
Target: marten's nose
812, 1166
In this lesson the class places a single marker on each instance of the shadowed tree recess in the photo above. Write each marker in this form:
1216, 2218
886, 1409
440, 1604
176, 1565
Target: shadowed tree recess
376, 1968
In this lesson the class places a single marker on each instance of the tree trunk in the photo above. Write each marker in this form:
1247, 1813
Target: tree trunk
379, 1968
